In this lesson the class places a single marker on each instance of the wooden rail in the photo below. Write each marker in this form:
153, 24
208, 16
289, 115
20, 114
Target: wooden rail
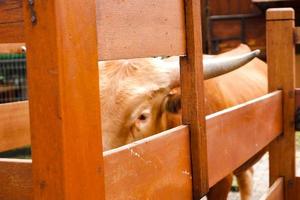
125, 165
126, 29
14, 126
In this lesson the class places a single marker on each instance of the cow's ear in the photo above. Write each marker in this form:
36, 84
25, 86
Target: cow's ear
173, 103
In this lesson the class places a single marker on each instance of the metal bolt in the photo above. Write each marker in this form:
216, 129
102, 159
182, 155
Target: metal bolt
31, 2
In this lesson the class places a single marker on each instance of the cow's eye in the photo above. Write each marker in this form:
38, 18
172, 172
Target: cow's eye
143, 117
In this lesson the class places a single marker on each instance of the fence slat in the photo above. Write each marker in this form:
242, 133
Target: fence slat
192, 87
14, 126
235, 135
276, 191
281, 74
126, 29
64, 100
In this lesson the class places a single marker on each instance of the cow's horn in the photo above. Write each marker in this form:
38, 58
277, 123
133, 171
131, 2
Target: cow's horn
217, 66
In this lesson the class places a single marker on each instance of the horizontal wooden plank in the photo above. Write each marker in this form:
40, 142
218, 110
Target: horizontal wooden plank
15, 179
126, 29
11, 48
14, 125
140, 28
157, 167
276, 191
11, 21
236, 134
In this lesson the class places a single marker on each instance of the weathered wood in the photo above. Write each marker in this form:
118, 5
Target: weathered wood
276, 191
126, 29
193, 113
281, 73
64, 100
14, 126
238, 127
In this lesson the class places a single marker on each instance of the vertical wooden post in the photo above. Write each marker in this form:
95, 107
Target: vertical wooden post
193, 97
64, 99
281, 73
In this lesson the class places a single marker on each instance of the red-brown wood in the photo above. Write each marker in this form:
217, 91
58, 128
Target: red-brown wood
235, 135
126, 29
192, 87
11, 21
140, 28
137, 170
15, 179
281, 74
64, 100
14, 125
276, 191
126, 165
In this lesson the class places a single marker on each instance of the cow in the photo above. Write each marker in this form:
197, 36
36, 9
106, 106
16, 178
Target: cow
140, 97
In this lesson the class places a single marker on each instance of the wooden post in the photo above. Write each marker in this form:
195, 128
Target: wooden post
281, 73
64, 99
193, 97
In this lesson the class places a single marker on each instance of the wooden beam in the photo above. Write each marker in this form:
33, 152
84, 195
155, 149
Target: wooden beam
14, 126
146, 158
298, 188
126, 29
64, 100
140, 28
281, 73
125, 167
192, 87
238, 127
276, 191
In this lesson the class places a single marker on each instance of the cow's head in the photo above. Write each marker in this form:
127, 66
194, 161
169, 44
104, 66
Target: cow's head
137, 99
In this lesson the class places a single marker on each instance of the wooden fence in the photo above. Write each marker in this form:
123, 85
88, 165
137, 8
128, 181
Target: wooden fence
65, 39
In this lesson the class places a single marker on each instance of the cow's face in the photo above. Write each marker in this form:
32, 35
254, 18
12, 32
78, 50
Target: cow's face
135, 99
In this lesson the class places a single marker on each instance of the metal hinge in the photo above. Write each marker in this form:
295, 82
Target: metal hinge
33, 17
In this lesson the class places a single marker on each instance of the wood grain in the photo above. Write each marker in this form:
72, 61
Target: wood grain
146, 159
137, 170
64, 100
276, 191
192, 93
14, 126
16, 179
281, 71
11, 21
140, 28
126, 29
235, 134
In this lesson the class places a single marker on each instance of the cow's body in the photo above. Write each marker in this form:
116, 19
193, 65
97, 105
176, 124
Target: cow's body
134, 95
